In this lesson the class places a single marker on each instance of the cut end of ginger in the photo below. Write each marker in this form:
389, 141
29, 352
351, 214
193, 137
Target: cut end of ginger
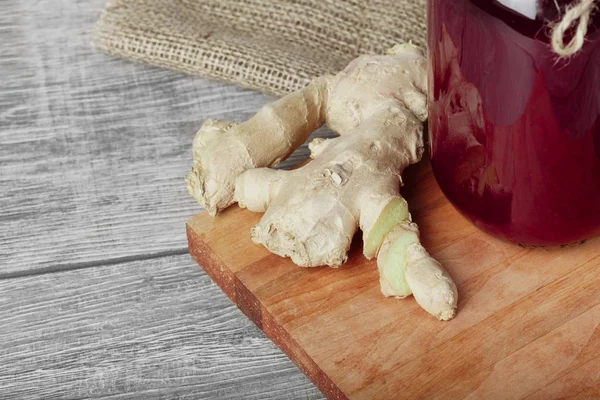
393, 214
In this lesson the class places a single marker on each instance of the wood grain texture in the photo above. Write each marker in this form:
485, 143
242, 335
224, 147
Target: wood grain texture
93, 150
528, 320
157, 329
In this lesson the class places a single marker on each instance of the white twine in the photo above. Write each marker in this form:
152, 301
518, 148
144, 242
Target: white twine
579, 14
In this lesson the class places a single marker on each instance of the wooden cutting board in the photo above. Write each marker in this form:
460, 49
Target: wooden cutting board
528, 324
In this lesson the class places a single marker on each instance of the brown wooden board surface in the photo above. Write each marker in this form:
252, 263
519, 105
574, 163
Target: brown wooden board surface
528, 324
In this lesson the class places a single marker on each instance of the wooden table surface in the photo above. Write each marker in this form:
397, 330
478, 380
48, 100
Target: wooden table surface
98, 295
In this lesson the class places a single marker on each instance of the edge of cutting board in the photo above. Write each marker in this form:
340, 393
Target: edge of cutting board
247, 302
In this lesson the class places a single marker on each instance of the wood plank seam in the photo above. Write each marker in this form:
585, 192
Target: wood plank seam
91, 264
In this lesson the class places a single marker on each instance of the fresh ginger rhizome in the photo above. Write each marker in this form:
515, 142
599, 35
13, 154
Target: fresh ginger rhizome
378, 105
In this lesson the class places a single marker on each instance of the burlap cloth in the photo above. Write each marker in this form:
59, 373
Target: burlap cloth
275, 46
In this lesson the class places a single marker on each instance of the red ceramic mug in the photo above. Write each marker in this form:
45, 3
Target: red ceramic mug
515, 130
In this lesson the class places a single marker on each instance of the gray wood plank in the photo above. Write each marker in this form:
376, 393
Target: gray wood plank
145, 329
93, 150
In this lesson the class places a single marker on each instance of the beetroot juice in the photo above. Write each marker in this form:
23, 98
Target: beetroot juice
514, 131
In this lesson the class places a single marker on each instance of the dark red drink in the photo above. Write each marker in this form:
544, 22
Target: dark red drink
514, 131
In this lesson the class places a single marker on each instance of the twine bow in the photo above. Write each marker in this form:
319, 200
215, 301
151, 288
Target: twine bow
579, 14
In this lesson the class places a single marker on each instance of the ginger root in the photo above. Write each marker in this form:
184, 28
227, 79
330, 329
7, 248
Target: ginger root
378, 105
